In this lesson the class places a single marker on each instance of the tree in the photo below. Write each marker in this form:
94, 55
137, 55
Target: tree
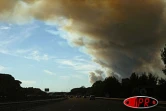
126, 90
97, 88
163, 57
112, 87
162, 82
152, 80
143, 80
134, 80
140, 82
161, 91
80, 91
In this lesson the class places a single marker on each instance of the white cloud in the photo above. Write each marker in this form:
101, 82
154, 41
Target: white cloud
6, 40
2, 68
52, 32
79, 64
9, 38
60, 33
4, 27
23, 51
67, 62
35, 55
3, 51
49, 72
79, 58
28, 54
38, 56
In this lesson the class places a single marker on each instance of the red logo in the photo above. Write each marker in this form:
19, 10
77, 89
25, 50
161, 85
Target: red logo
140, 102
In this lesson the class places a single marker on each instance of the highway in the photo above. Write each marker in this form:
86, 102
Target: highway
84, 104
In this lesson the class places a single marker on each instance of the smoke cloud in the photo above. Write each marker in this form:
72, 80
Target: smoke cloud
6, 5
96, 76
122, 36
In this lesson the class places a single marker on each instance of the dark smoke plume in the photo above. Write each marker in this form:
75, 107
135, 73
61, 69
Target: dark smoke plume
123, 36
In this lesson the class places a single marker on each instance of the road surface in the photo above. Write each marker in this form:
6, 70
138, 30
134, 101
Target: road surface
81, 104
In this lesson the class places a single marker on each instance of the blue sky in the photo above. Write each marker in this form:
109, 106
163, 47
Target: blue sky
37, 54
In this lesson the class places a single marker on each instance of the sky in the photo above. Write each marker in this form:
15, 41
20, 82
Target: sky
63, 44
37, 54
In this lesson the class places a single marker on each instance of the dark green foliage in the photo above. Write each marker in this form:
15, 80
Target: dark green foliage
79, 91
111, 87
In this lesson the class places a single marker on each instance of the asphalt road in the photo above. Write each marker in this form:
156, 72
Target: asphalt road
81, 104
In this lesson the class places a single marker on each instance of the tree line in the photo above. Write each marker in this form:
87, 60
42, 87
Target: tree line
145, 84
11, 90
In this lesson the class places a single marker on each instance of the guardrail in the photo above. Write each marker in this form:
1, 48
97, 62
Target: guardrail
26, 105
